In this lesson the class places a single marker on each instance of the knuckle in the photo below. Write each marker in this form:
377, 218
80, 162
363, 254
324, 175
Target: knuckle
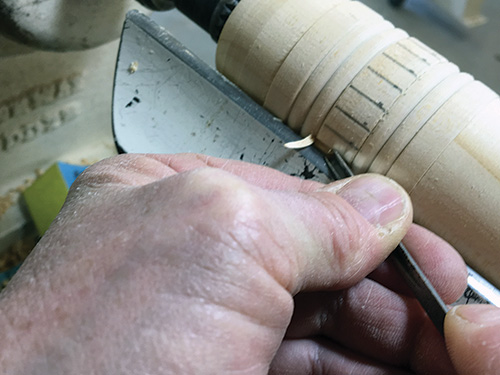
225, 208
227, 196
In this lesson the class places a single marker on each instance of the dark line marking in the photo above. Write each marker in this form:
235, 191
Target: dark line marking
412, 72
364, 126
341, 137
378, 104
413, 53
426, 48
385, 79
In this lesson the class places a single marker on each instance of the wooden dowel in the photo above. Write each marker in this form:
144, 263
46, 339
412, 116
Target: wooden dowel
321, 39
334, 69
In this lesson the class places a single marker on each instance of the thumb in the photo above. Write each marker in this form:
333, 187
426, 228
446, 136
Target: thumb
472, 334
353, 230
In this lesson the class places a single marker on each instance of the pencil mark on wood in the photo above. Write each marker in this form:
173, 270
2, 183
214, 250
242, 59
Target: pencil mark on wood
341, 137
399, 64
385, 79
364, 95
364, 125
423, 59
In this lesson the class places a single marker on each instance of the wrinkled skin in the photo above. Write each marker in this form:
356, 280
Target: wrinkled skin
186, 264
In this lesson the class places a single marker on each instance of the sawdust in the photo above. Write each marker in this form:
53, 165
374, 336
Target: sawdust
85, 161
134, 65
16, 253
6, 202
10, 198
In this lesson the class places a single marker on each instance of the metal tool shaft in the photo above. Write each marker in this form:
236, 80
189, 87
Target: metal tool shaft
421, 287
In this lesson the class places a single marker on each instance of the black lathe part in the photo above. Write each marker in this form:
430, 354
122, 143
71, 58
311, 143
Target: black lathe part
210, 15
219, 17
199, 11
157, 4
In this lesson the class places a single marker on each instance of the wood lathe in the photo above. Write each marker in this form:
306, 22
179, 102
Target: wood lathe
337, 71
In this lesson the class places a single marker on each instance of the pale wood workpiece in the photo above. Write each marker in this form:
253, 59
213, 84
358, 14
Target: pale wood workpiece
322, 38
411, 80
458, 197
322, 74
387, 102
395, 137
324, 105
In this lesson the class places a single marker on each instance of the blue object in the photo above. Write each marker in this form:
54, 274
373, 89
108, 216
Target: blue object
70, 172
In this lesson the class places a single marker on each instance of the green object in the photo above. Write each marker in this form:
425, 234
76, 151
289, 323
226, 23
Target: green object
47, 194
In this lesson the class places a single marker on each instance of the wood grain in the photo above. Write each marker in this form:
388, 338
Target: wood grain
320, 40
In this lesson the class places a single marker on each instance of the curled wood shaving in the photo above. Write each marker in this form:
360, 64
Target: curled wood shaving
303, 143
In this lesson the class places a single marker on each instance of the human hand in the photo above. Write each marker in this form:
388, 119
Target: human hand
473, 338
157, 264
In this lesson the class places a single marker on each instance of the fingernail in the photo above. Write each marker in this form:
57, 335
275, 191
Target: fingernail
479, 314
378, 199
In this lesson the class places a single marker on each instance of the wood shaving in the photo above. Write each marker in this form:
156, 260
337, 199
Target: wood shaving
303, 143
132, 68
6, 201
11, 197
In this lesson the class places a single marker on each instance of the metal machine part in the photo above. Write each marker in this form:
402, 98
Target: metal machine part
205, 113
63, 25
167, 100
158, 4
210, 15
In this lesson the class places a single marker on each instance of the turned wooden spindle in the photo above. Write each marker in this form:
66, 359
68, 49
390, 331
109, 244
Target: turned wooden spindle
336, 70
